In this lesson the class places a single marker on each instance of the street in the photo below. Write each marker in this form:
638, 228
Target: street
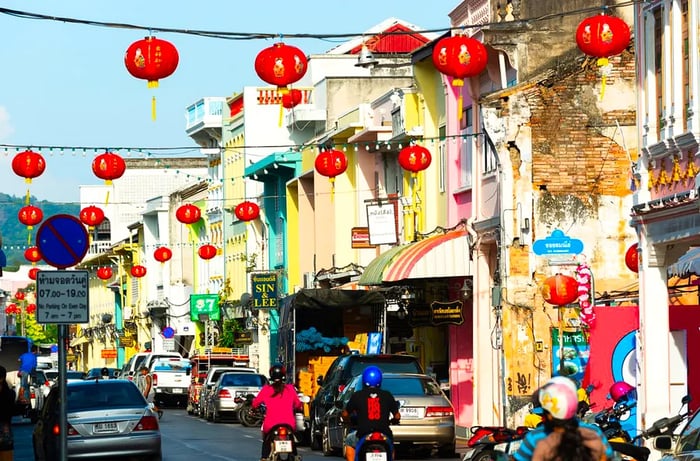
187, 438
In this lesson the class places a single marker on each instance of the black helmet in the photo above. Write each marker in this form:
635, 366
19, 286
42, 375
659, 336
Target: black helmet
277, 372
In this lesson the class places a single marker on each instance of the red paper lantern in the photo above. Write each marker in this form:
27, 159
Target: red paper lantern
331, 163
92, 216
207, 251
188, 214
138, 271
291, 99
31, 308
247, 211
30, 215
32, 272
104, 273
415, 158
560, 290
281, 65
460, 57
28, 164
108, 166
632, 258
32, 254
162, 254
19, 296
602, 36
151, 59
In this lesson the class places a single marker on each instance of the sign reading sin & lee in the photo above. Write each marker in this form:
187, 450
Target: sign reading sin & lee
264, 290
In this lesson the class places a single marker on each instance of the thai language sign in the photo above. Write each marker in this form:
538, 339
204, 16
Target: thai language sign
62, 297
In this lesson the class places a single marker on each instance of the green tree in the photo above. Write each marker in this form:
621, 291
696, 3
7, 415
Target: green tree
227, 337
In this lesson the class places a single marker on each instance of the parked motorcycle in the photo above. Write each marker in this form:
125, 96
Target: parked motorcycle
490, 443
247, 415
283, 443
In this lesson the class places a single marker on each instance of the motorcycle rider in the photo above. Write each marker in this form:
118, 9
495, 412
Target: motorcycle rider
281, 401
562, 435
373, 407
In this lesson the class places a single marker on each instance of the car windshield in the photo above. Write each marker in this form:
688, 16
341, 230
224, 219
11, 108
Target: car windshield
74, 374
51, 374
387, 366
104, 394
178, 365
243, 379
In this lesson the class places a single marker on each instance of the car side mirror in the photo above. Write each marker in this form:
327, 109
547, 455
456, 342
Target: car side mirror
319, 380
663, 442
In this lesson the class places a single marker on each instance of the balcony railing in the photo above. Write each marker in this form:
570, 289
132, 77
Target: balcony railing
98, 247
205, 113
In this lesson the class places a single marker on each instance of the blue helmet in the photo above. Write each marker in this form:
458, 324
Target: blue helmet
372, 377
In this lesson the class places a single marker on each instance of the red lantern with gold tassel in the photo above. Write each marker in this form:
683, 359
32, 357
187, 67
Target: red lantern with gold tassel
28, 164
32, 254
247, 211
207, 251
291, 99
151, 59
281, 65
460, 57
30, 216
108, 166
415, 158
32, 273
188, 214
138, 271
162, 254
104, 273
560, 290
603, 36
632, 258
92, 216
331, 163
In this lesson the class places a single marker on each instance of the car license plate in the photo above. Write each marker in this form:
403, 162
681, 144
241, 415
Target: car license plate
177, 390
412, 412
375, 456
105, 428
283, 446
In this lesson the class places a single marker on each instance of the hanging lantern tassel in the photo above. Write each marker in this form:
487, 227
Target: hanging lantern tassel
153, 108
332, 181
605, 70
459, 84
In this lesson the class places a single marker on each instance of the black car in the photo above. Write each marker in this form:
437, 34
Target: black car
341, 371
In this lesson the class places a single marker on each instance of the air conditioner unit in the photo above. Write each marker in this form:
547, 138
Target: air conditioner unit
309, 278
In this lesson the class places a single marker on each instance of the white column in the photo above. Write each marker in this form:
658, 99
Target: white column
694, 77
667, 65
676, 105
653, 350
649, 75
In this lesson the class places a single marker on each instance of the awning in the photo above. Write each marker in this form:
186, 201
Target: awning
445, 255
78, 341
688, 264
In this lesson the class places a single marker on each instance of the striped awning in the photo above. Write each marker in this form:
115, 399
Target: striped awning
445, 255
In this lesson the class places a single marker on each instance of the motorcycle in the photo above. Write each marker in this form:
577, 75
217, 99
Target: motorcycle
491, 443
282, 443
374, 446
247, 415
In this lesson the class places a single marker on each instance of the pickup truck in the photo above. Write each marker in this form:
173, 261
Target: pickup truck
171, 378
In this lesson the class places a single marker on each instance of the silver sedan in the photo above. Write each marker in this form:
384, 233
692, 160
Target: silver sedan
228, 393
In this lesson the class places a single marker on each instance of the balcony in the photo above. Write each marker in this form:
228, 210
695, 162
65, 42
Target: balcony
205, 119
98, 247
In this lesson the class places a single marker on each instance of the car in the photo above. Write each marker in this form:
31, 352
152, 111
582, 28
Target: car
427, 416
228, 393
71, 375
682, 447
131, 367
208, 384
342, 370
171, 378
101, 373
107, 418
41, 382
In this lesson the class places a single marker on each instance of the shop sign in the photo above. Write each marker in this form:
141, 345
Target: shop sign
264, 286
71, 357
570, 353
108, 354
419, 315
243, 337
446, 313
204, 304
126, 342
359, 237
382, 223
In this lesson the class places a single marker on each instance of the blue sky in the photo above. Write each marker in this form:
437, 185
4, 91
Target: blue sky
65, 84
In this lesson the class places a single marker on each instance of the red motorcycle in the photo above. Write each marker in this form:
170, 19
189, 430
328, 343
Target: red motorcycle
490, 443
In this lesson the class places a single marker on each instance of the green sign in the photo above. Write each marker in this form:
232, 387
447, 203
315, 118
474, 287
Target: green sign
264, 290
204, 304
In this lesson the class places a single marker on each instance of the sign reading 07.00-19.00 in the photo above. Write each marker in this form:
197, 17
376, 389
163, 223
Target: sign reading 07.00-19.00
264, 290
204, 304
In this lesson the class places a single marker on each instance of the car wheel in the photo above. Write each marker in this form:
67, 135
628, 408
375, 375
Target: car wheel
314, 436
215, 416
486, 455
326, 447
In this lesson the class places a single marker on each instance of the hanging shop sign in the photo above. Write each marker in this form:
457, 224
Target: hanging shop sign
204, 304
446, 313
264, 286
557, 243
570, 353
243, 337
382, 222
108, 354
359, 237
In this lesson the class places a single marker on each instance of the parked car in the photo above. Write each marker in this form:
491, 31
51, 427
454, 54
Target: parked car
208, 384
107, 418
131, 367
42, 383
427, 416
341, 371
683, 447
99, 373
171, 378
71, 375
229, 392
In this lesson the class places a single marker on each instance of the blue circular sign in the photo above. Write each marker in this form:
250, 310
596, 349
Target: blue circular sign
62, 240
168, 332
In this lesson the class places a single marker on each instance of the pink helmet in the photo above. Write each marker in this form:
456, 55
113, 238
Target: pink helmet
559, 399
621, 391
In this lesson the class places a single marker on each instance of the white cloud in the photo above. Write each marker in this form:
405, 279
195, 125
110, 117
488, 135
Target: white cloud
6, 128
